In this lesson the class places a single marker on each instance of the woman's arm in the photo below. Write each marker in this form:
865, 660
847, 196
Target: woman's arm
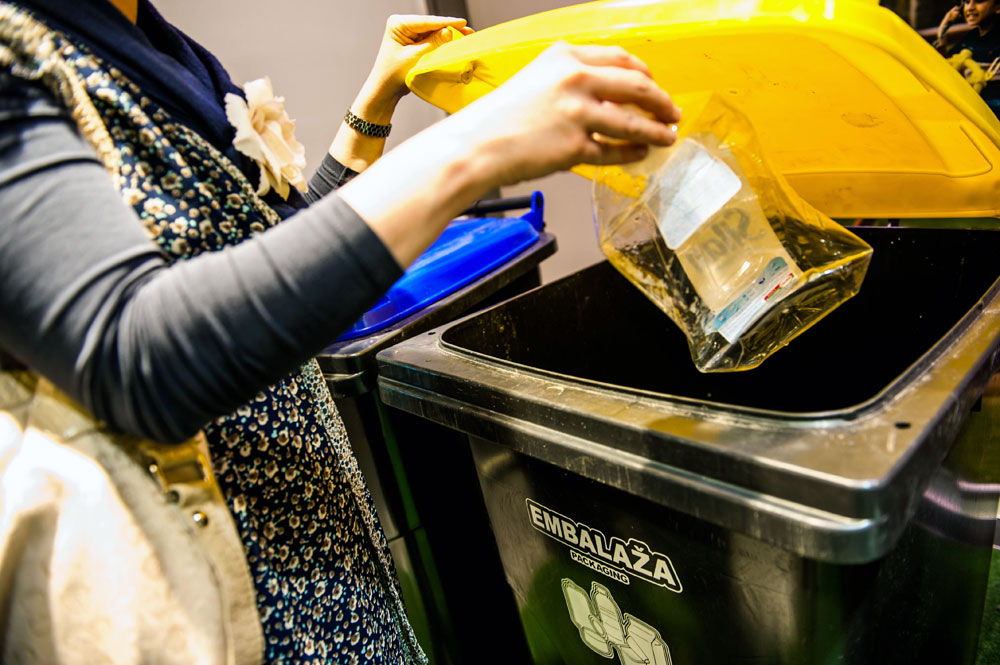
158, 350
87, 299
405, 41
558, 111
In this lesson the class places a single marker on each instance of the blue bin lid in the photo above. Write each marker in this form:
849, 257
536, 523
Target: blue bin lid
465, 251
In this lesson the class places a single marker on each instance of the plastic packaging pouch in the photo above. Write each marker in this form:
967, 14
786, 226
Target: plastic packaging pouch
713, 235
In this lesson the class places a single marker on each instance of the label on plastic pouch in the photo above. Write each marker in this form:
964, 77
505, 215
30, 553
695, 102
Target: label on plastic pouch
776, 281
699, 185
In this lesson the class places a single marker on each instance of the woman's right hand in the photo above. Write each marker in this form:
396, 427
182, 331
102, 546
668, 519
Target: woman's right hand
571, 105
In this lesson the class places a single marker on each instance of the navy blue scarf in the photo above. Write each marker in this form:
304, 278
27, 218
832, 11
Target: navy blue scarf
168, 66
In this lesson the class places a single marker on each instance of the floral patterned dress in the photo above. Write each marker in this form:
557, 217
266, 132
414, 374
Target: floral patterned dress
326, 586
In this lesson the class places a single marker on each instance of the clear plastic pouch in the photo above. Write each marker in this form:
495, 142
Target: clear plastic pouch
708, 231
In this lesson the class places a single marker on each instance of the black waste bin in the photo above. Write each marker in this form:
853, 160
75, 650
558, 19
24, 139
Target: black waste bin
476, 263
835, 505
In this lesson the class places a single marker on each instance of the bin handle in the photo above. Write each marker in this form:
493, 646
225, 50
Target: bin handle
535, 201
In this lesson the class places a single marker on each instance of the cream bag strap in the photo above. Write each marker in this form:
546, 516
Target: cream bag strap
113, 549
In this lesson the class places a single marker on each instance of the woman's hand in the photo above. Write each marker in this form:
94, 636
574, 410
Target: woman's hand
406, 40
573, 104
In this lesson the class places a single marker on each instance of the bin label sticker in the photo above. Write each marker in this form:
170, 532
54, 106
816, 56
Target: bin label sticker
613, 557
605, 629
603, 569
695, 186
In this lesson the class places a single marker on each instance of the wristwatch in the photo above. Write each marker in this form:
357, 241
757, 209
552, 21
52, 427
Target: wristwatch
366, 128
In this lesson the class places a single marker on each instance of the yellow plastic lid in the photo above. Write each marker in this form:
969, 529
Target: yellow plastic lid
859, 112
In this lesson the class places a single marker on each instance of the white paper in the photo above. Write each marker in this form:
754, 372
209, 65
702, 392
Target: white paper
694, 186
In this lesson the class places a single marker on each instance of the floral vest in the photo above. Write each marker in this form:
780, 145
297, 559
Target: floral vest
325, 583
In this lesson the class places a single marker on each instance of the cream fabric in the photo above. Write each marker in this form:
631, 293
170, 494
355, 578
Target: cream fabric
113, 550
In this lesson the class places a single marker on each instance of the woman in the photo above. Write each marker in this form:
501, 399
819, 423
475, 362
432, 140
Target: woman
192, 301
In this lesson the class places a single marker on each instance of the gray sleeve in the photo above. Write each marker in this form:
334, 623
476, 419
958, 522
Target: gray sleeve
154, 349
330, 175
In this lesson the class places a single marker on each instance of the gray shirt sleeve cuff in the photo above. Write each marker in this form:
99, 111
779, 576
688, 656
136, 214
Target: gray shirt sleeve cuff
330, 175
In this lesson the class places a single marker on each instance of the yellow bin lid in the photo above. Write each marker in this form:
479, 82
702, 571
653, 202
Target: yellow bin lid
859, 112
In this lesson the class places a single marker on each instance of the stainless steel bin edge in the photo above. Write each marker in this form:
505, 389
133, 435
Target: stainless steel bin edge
834, 486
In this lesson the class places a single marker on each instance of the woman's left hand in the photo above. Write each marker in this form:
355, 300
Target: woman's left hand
407, 38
